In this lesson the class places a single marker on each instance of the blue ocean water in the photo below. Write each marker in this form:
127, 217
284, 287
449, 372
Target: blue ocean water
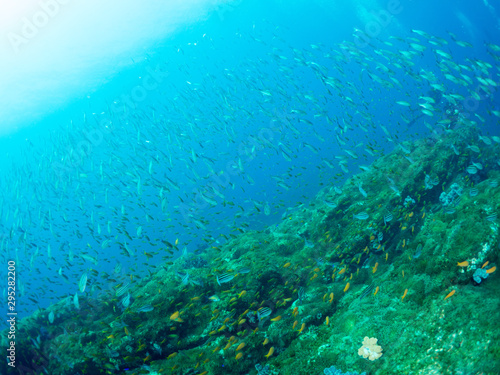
224, 125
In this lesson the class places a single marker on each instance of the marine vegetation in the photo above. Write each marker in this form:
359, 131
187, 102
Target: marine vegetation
413, 284
390, 267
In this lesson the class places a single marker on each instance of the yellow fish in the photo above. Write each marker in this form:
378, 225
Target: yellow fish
404, 295
270, 353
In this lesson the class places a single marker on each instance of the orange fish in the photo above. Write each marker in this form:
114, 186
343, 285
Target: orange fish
241, 346
266, 341
302, 327
463, 264
491, 270
295, 311
286, 265
238, 356
342, 270
346, 287
404, 295
327, 321
276, 319
485, 264
331, 297
450, 294
295, 324
386, 256
271, 351
375, 268
376, 290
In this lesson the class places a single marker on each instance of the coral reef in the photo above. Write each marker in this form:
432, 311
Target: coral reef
370, 349
311, 288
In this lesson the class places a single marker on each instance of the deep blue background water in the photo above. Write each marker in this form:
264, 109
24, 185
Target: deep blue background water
209, 103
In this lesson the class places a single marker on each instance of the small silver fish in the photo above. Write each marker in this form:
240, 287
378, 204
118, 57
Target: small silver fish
492, 217
126, 301
121, 291
83, 282
361, 190
262, 313
330, 203
75, 301
145, 308
361, 216
224, 278
118, 325
418, 252
474, 148
471, 169
387, 217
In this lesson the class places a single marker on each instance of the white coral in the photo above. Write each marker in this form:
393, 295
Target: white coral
370, 349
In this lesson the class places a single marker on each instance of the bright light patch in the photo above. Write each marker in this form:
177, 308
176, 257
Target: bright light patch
54, 51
